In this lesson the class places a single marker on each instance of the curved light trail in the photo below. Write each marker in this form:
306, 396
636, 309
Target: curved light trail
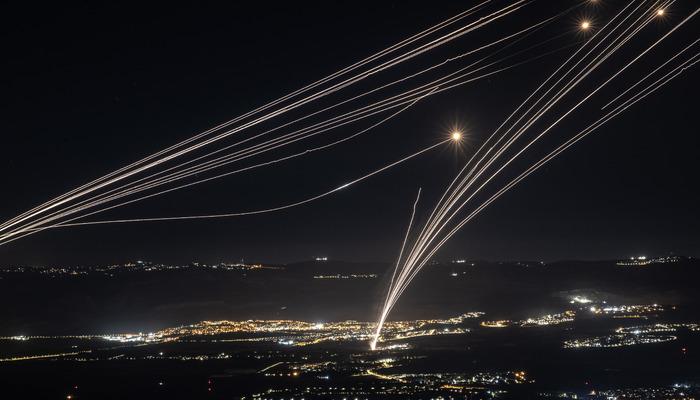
75, 205
437, 231
254, 212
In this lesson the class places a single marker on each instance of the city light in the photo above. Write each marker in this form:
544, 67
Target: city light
580, 325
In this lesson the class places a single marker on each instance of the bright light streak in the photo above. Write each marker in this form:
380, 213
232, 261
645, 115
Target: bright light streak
254, 212
153, 160
436, 87
450, 204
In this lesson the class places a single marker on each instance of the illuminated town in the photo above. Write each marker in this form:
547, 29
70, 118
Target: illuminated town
387, 371
331, 369
317, 359
641, 261
284, 358
634, 335
545, 320
358, 200
129, 267
282, 332
301, 333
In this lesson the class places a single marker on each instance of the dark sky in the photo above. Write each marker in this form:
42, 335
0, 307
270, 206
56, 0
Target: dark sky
89, 88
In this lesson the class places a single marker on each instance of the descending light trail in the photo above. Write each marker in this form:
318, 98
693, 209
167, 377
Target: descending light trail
637, 97
477, 185
254, 212
433, 227
437, 230
649, 75
450, 199
138, 167
405, 239
451, 202
77, 200
434, 88
55, 216
305, 89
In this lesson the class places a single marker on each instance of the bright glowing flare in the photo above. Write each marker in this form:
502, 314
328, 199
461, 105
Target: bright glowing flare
456, 136
660, 12
585, 25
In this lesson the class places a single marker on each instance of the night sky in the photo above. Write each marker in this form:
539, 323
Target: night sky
89, 88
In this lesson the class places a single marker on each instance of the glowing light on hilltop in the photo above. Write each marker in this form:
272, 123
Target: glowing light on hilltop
581, 300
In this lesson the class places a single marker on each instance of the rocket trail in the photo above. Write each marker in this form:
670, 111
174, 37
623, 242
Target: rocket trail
485, 145
459, 192
260, 137
55, 216
649, 75
493, 159
433, 89
437, 226
408, 231
471, 179
373, 344
533, 27
253, 212
178, 173
637, 97
293, 94
373, 70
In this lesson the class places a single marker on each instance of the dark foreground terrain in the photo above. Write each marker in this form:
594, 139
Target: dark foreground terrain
463, 330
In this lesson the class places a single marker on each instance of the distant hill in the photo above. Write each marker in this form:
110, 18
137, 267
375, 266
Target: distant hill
150, 298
